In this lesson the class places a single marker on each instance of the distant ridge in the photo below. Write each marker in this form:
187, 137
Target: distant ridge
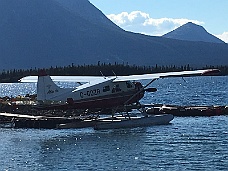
192, 32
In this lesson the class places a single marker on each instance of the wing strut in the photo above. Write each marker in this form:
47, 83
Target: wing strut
142, 89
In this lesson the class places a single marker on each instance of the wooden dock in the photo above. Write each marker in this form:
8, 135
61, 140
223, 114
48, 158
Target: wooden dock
46, 122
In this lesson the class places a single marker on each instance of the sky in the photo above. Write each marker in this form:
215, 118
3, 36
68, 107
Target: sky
157, 17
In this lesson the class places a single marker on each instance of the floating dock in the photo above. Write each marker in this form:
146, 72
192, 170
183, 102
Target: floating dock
26, 116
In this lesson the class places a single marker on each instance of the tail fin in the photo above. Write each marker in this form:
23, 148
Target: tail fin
47, 90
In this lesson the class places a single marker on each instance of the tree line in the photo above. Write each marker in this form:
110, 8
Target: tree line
100, 69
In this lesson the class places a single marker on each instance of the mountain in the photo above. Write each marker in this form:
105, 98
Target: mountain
44, 33
192, 32
87, 11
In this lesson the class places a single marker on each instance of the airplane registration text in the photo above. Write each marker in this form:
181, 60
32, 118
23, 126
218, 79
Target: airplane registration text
90, 93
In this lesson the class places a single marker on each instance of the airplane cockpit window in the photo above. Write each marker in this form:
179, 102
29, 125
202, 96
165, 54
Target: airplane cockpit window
129, 84
106, 88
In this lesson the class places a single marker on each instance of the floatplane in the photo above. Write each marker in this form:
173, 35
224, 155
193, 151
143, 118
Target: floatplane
96, 93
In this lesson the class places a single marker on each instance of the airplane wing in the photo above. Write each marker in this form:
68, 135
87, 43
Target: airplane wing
81, 79
86, 79
167, 74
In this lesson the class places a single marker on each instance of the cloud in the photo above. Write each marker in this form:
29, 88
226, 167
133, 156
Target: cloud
223, 36
140, 22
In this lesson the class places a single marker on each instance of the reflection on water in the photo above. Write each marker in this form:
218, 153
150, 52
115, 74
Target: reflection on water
93, 149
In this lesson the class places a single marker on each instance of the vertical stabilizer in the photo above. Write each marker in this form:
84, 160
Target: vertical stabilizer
47, 90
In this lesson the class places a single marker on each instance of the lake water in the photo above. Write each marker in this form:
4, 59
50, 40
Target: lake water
188, 143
